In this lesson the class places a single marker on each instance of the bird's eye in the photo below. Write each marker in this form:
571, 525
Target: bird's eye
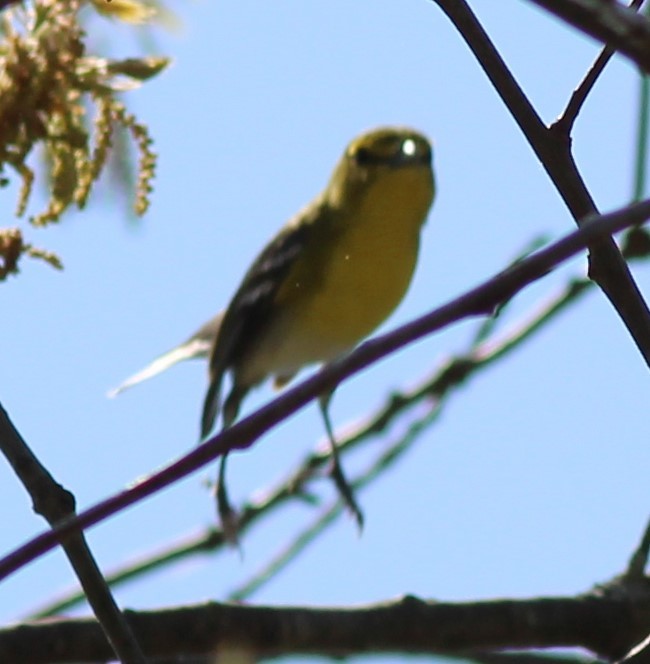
409, 148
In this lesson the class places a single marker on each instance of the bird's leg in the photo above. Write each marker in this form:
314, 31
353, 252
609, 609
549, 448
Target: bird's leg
341, 482
227, 515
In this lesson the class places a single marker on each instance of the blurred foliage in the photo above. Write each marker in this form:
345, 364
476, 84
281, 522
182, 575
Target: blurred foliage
63, 100
12, 247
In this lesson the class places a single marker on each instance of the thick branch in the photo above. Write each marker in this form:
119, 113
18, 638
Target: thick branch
603, 624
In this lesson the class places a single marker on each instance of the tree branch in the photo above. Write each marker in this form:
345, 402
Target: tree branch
610, 22
56, 504
553, 149
603, 624
566, 121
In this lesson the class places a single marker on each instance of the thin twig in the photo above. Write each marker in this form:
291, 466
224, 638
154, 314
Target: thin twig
565, 122
640, 166
309, 533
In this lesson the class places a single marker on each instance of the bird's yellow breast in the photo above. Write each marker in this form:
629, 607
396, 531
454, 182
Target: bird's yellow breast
355, 270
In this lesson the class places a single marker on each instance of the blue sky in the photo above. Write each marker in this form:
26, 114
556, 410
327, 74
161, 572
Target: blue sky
534, 482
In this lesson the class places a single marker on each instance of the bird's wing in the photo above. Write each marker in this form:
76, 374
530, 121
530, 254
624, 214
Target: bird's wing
250, 309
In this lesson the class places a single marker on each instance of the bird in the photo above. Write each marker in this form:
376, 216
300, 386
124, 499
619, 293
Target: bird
329, 277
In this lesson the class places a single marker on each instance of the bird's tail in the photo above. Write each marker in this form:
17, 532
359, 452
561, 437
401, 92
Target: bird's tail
211, 407
197, 346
